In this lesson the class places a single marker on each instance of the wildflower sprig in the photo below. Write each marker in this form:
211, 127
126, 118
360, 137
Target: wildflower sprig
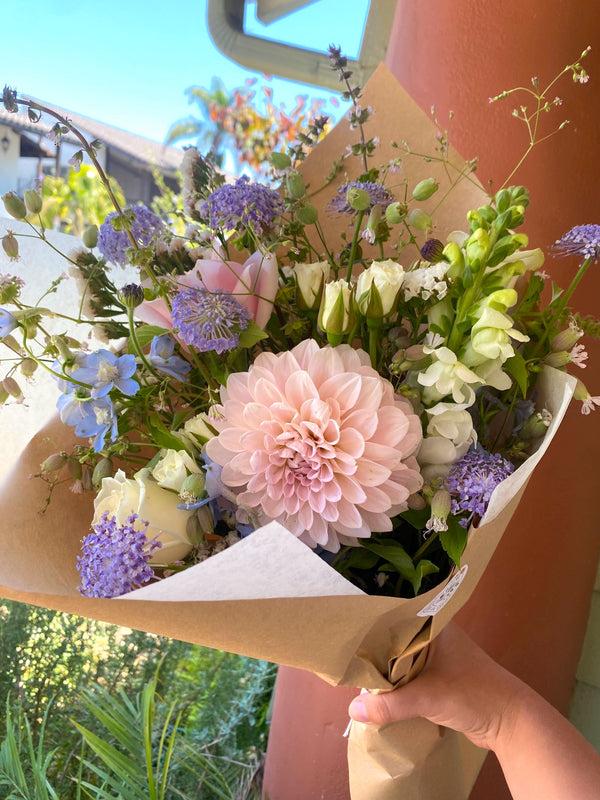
539, 102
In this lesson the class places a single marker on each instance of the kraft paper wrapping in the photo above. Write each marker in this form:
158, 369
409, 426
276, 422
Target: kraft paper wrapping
271, 597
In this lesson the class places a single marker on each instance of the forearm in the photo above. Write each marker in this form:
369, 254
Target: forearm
543, 756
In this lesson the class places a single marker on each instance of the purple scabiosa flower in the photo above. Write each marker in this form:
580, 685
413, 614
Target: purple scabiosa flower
473, 478
378, 196
90, 417
113, 244
105, 371
7, 323
208, 321
161, 357
582, 240
115, 558
243, 203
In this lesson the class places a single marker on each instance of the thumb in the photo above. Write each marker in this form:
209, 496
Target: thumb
383, 709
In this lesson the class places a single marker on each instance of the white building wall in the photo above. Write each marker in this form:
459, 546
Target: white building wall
9, 161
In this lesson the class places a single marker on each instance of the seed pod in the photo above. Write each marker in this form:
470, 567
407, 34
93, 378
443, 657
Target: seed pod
12, 387
33, 201
28, 367
75, 470
54, 463
3, 395
307, 214
425, 189
10, 246
14, 205
280, 160
90, 236
86, 479
295, 186
419, 219
103, 469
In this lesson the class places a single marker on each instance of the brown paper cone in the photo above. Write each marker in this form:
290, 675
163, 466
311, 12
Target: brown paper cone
271, 597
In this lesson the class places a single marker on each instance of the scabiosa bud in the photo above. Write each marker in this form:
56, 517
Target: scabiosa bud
33, 201
358, 199
433, 251
115, 558
396, 212
473, 478
14, 205
131, 295
378, 196
90, 236
425, 189
307, 214
10, 246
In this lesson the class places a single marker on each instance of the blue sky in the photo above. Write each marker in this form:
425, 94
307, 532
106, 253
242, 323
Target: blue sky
128, 62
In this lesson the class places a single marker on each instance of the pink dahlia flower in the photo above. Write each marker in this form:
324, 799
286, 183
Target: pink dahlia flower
316, 439
254, 285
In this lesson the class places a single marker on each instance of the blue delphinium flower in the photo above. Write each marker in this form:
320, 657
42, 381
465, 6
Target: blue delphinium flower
113, 244
378, 196
243, 203
115, 558
7, 323
105, 371
90, 417
582, 240
473, 478
161, 357
208, 321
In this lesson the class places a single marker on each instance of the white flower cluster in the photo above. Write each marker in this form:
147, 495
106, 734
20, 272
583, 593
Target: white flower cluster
426, 282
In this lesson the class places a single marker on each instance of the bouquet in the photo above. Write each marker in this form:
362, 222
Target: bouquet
304, 424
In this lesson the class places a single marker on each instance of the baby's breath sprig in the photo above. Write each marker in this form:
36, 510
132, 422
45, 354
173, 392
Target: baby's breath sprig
543, 104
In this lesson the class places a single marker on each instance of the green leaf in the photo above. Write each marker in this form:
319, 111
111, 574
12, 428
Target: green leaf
418, 519
454, 540
251, 335
161, 435
145, 334
423, 568
517, 369
396, 555
359, 558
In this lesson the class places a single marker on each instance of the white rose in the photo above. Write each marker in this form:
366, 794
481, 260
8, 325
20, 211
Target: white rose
387, 277
200, 427
310, 279
122, 496
173, 468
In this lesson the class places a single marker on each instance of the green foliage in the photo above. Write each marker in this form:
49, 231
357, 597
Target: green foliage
78, 200
210, 706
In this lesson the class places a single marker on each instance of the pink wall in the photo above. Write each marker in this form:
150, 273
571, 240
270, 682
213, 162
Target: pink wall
531, 607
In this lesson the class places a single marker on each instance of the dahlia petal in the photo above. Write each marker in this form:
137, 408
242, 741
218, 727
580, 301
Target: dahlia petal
319, 531
231, 439
344, 388
364, 421
351, 490
349, 515
255, 413
231, 477
330, 512
324, 363
216, 452
237, 387
369, 473
382, 454
352, 442
305, 352
376, 500
378, 522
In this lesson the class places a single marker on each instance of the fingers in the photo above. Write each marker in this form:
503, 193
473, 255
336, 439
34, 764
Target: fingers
383, 709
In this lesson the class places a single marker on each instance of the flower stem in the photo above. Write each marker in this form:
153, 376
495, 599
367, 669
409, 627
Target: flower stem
426, 545
353, 246
136, 345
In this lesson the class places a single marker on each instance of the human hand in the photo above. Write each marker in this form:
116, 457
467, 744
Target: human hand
461, 688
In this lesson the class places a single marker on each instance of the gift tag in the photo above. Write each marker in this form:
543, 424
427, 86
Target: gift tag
449, 590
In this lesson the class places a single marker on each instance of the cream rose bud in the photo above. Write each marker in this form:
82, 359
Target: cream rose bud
335, 314
120, 497
310, 279
173, 468
386, 277
200, 427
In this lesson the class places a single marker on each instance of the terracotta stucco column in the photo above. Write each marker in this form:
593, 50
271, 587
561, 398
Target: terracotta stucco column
531, 607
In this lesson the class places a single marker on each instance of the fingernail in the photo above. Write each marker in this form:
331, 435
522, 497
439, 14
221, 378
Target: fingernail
358, 710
